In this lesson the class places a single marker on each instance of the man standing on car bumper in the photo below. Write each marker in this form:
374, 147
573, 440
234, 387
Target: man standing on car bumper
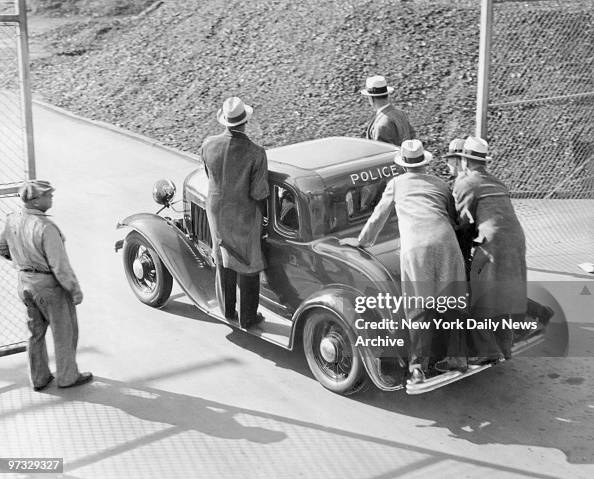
237, 169
498, 266
47, 285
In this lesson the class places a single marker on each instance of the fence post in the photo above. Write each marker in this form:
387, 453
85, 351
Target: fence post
482, 94
23, 52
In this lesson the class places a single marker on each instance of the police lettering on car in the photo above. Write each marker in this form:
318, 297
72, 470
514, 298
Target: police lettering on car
374, 174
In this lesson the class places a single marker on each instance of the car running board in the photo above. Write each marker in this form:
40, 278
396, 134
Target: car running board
450, 377
274, 328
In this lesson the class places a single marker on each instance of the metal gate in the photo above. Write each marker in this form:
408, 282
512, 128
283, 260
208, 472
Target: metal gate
17, 159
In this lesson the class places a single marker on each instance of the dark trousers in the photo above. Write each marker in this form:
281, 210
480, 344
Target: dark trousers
249, 291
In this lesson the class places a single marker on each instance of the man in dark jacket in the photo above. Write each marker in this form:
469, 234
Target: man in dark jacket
389, 124
498, 265
237, 170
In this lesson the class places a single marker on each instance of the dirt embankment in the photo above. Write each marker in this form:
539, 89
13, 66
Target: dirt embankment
300, 64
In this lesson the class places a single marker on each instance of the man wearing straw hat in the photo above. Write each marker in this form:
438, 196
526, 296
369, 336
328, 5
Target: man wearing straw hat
431, 262
389, 124
237, 170
47, 286
498, 264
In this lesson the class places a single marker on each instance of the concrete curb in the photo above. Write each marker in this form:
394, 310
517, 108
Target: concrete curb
116, 129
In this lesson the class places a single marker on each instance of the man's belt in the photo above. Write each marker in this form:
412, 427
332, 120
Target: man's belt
31, 270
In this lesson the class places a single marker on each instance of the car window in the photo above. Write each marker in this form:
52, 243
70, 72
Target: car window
360, 201
287, 217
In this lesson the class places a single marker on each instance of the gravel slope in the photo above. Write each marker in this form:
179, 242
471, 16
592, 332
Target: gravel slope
300, 64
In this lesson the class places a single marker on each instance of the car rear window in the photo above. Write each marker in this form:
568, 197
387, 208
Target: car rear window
360, 201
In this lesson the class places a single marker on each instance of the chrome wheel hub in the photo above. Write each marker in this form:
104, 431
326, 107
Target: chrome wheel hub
329, 349
142, 266
138, 269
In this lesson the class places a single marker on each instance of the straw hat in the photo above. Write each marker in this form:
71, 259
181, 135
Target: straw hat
456, 147
234, 112
376, 86
412, 154
475, 148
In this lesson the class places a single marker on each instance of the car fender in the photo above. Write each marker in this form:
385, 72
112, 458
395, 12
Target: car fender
341, 300
185, 262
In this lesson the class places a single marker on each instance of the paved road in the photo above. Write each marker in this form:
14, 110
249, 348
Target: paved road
178, 395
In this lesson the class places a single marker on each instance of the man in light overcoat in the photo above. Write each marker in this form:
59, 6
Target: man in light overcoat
237, 169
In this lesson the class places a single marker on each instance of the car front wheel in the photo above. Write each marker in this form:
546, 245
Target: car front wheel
146, 274
330, 351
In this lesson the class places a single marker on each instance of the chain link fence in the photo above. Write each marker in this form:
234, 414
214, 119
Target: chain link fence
14, 168
540, 124
13, 328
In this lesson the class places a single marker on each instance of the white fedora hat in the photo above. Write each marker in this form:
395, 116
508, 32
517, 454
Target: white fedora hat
456, 148
376, 86
412, 154
475, 148
234, 112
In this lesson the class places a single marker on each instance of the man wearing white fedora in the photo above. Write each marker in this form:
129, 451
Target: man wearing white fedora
431, 262
498, 264
389, 124
237, 170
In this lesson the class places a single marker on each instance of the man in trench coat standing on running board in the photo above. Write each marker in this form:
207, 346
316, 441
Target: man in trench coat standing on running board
237, 169
498, 266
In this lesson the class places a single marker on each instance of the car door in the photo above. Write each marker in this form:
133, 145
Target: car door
291, 274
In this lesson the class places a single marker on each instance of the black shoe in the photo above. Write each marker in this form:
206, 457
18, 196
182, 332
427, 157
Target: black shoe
83, 378
234, 319
259, 318
483, 360
451, 363
41, 388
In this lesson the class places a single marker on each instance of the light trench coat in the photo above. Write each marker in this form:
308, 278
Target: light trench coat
431, 262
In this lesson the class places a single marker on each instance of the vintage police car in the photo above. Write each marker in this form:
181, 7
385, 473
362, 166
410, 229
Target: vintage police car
321, 191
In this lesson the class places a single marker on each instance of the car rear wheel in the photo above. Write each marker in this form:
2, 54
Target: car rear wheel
148, 277
329, 348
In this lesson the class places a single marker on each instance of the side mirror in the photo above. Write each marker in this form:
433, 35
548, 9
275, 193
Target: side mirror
163, 192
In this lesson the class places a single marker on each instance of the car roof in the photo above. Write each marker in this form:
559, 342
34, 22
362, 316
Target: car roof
325, 153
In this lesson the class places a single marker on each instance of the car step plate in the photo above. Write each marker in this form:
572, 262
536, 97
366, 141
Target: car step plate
450, 377
444, 379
